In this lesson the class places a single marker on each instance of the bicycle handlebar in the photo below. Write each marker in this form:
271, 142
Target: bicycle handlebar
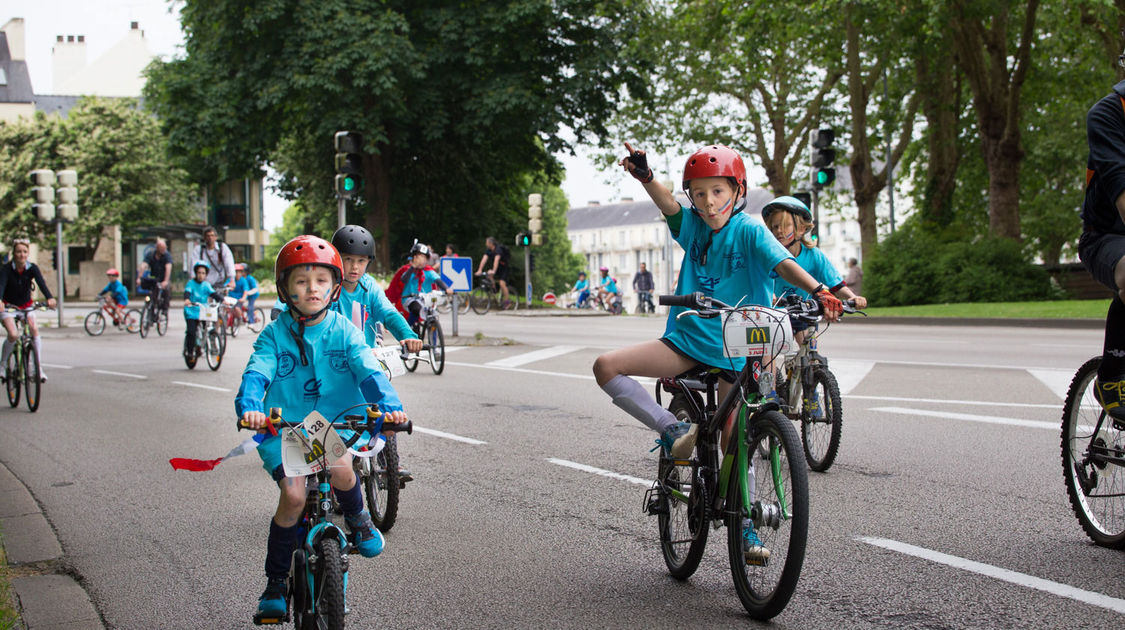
354, 422
35, 306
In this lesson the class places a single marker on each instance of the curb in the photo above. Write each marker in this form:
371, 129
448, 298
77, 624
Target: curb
45, 596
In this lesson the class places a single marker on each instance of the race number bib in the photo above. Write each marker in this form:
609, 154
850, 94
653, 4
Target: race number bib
758, 332
303, 455
390, 357
208, 313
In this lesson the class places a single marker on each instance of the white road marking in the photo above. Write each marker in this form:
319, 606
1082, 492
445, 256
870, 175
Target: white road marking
1012, 577
211, 387
536, 355
119, 374
849, 373
1019, 422
1058, 381
950, 401
599, 471
449, 349
58, 367
448, 436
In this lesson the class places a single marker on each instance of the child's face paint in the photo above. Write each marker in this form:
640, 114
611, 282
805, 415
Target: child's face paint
310, 288
783, 228
714, 198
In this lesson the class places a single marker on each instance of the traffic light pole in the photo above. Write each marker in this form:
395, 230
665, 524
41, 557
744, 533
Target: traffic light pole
527, 271
341, 212
59, 271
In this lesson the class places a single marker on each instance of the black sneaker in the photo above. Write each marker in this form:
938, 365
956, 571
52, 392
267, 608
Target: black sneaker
1111, 396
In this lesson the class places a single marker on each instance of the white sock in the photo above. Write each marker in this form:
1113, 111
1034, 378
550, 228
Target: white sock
38, 352
635, 401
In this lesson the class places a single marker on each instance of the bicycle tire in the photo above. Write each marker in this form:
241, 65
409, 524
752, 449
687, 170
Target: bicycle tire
437, 346
381, 485
765, 590
820, 436
94, 323
31, 377
480, 300
259, 321
462, 303
13, 378
328, 583
146, 320
445, 305
303, 619
161, 322
1103, 521
132, 320
212, 348
235, 320
682, 526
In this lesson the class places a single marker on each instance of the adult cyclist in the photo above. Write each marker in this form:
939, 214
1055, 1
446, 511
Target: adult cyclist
15, 290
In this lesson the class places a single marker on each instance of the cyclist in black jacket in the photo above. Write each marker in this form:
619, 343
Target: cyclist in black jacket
15, 290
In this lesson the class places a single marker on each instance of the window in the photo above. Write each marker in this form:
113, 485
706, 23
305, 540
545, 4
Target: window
621, 261
621, 238
3, 77
74, 255
241, 253
231, 209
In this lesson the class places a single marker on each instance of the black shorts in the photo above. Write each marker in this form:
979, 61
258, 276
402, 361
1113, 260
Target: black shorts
501, 274
1100, 252
728, 375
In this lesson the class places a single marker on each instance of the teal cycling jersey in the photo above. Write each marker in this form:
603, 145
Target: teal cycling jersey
581, 285
242, 285
197, 292
338, 360
737, 270
366, 306
120, 294
417, 282
816, 263
609, 284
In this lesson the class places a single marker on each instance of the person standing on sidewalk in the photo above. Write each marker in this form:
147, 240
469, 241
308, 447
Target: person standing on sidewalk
854, 277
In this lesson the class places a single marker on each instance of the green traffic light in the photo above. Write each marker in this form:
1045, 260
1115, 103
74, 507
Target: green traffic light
821, 177
349, 184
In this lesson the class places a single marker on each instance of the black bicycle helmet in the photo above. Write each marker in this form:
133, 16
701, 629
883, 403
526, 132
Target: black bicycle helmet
354, 240
788, 204
420, 248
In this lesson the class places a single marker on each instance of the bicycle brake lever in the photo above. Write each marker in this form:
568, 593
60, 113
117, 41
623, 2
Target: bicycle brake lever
688, 312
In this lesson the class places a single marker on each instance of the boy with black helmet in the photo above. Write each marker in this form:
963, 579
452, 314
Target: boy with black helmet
196, 292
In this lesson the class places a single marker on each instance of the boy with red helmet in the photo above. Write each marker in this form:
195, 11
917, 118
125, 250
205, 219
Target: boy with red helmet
310, 359
726, 255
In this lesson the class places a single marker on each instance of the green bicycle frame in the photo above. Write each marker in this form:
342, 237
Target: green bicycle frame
741, 457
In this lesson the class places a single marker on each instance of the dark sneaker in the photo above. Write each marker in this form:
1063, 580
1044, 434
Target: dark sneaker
272, 602
678, 440
367, 540
1111, 396
404, 475
753, 550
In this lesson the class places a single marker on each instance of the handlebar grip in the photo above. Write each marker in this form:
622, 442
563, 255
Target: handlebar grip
678, 300
398, 427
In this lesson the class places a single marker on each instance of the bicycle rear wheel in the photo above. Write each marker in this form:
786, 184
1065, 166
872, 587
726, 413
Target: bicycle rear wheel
779, 509
132, 320
94, 323
259, 320
161, 322
480, 300
821, 420
146, 320
31, 377
682, 516
1094, 484
328, 583
381, 484
235, 322
462, 303
436, 341
13, 378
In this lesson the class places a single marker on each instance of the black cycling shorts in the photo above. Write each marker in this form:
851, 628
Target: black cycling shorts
1100, 253
728, 375
501, 274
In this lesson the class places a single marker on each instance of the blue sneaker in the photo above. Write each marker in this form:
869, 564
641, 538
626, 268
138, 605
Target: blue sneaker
367, 540
678, 440
272, 601
754, 550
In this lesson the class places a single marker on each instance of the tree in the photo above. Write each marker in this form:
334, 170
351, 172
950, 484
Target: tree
456, 100
26, 145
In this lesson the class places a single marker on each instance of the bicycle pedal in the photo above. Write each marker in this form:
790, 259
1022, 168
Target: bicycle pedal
655, 502
270, 620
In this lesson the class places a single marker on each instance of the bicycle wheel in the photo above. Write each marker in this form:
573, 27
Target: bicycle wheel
94, 323
462, 303
222, 328
328, 583
436, 342
232, 322
778, 488
445, 305
213, 348
31, 377
132, 320
13, 378
381, 484
303, 618
1090, 437
682, 515
480, 300
822, 420
259, 320
161, 322
146, 320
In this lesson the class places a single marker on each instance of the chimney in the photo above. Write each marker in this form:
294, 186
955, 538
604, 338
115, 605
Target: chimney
594, 202
14, 30
68, 58
626, 200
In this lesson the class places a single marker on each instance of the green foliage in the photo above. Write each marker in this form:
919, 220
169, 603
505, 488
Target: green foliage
26, 145
917, 266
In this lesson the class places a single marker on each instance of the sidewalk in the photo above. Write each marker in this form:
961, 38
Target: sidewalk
46, 597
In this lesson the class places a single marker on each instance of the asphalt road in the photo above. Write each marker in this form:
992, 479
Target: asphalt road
939, 512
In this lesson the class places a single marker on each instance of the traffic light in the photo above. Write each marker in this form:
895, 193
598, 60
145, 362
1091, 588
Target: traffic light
823, 155
68, 195
43, 190
523, 239
534, 216
349, 164
54, 259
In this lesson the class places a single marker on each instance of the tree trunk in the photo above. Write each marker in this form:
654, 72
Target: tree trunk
377, 194
936, 82
1004, 188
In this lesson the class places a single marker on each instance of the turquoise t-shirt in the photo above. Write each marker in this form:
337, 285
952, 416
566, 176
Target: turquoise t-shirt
120, 294
367, 305
197, 292
242, 285
739, 262
609, 284
816, 263
412, 286
581, 285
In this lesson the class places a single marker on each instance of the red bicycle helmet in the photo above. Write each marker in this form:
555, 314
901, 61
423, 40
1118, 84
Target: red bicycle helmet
716, 160
112, 272
307, 250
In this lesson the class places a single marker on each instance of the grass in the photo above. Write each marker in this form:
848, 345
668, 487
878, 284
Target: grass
1062, 309
8, 616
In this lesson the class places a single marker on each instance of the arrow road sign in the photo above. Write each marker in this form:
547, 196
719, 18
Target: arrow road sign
456, 272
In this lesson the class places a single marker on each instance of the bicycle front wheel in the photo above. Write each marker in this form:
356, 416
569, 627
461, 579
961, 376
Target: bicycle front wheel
13, 378
682, 509
821, 420
381, 485
94, 323
132, 320
328, 583
462, 303
161, 322
213, 348
1094, 483
259, 321
480, 300
146, 320
778, 517
31, 378
436, 341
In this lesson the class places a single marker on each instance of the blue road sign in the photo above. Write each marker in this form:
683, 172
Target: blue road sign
457, 273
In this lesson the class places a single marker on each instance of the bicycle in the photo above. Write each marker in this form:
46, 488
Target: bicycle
446, 304
644, 303
486, 295
128, 320
728, 487
379, 474
1093, 459
23, 364
821, 415
210, 337
318, 575
155, 310
613, 307
428, 329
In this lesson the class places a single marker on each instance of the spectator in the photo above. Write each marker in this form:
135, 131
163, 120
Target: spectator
854, 278
450, 250
218, 256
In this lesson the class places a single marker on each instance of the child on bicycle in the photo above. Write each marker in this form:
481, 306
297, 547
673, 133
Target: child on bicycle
245, 290
196, 292
116, 295
362, 299
310, 358
16, 278
420, 279
607, 287
582, 288
726, 255
791, 223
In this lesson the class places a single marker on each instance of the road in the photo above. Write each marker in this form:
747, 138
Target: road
939, 512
